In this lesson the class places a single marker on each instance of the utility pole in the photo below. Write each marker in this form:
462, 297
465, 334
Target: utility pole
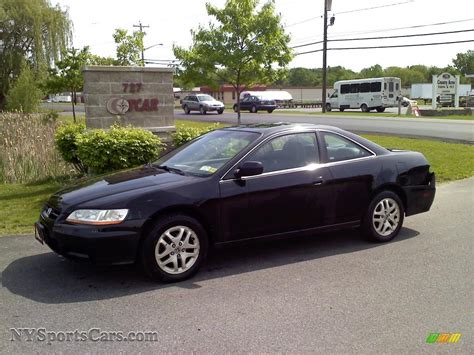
141, 27
327, 7
325, 48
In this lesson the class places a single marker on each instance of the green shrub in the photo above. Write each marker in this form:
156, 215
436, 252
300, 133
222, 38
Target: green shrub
50, 116
66, 139
118, 148
24, 96
186, 134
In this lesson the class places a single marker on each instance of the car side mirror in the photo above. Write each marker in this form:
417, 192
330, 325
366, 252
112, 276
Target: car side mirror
249, 168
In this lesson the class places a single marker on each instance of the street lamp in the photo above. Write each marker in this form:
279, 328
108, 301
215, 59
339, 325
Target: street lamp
144, 49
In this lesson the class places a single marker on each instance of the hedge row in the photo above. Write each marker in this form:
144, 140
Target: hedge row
101, 151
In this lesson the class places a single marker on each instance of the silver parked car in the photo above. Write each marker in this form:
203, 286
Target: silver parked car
202, 103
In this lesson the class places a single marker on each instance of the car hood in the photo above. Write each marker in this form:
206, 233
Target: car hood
125, 181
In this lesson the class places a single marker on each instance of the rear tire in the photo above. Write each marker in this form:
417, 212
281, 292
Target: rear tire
384, 217
253, 109
269, 111
186, 110
220, 112
341, 109
328, 108
235, 108
380, 109
163, 248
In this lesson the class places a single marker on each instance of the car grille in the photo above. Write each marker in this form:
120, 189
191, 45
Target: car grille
49, 212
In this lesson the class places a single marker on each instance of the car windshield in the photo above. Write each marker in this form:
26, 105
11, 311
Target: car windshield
205, 98
205, 155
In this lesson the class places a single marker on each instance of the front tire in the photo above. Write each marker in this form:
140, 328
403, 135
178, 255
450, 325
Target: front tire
384, 217
220, 112
380, 109
328, 108
364, 108
269, 111
253, 109
235, 108
202, 110
174, 249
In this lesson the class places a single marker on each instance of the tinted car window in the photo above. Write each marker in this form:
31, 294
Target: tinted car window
287, 152
205, 155
340, 148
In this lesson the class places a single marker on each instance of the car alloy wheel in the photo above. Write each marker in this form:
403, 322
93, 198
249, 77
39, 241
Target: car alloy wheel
386, 217
177, 250
174, 249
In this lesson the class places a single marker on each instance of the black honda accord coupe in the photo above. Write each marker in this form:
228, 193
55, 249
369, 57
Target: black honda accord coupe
233, 184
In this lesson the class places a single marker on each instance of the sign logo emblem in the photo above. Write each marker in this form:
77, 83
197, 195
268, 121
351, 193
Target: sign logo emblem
117, 106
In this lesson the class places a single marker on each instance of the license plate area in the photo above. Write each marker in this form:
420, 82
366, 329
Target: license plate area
39, 233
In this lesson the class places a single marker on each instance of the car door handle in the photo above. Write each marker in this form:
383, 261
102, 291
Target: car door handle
318, 181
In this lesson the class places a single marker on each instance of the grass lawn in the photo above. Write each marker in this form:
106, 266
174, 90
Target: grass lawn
374, 114
197, 124
21, 205
22, 202
450, 161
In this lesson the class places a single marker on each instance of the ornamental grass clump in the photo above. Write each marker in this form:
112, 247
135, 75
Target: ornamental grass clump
27, 149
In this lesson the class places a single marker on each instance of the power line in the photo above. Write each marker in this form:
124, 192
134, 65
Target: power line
307, 44
388, 46
341, 34
401, 28
374, 7
349, 11
385, 37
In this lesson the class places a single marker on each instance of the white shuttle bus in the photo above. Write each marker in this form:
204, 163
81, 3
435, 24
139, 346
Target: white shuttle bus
366, 94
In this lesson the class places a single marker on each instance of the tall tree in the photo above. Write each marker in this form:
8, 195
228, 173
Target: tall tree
243, 45
67, 75
464, 62
32, 30
129, 47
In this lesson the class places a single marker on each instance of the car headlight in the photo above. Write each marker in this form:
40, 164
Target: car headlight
97, 217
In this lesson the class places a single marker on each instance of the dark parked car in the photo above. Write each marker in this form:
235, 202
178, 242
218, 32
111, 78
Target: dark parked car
233, 184
202, 103
255, 104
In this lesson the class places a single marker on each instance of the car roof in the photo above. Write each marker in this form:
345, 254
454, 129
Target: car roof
268, 129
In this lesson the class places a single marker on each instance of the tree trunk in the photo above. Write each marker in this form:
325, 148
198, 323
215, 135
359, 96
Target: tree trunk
238, 104
73, 99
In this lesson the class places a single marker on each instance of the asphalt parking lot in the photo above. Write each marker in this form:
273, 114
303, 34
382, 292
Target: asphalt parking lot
331, 293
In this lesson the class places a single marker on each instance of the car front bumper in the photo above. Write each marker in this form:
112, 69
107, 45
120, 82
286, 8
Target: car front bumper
115, 244
214, 108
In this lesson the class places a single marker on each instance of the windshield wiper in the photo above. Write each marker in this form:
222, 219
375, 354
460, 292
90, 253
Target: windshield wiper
170, 169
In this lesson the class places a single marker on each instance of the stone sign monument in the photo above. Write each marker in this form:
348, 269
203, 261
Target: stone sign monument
140, 96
